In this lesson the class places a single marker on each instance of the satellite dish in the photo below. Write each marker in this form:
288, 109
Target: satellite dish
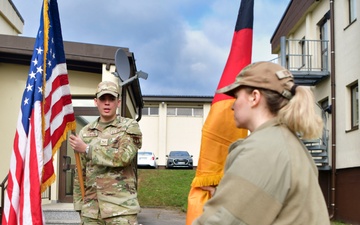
122, 64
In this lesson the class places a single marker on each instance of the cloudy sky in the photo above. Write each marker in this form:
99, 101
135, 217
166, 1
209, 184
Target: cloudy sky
182, 44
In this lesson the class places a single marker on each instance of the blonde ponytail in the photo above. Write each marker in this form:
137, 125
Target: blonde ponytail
300, 116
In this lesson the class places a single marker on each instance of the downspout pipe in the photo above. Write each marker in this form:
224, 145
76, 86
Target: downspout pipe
123, 106
333, 110
123, 102
283, 51
139, 114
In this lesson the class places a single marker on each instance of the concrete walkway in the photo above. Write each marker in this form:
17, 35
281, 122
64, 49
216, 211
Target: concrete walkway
147, 216
160, 216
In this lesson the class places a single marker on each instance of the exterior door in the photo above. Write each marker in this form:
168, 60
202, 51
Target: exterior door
67, 162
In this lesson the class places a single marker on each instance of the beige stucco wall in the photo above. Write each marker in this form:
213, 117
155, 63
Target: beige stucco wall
12, 83
150, 128
347, 67
347, 53
10, 22
82, 83
346, 71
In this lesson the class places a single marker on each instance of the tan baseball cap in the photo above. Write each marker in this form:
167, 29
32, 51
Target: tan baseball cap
266, 75
107, 87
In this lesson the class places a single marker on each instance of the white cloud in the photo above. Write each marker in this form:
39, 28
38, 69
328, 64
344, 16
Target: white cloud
182, 44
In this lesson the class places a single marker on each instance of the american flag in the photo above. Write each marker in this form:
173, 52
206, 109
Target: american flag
45, 117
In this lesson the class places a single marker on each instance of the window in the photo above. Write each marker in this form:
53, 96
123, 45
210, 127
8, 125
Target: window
324, 37
198, 112
354, 89
303, 52
171, 111
324, 104
184, 111
150, 111
153, 111
352, 10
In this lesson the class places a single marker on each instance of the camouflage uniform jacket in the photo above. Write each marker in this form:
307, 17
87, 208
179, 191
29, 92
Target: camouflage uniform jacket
108, 169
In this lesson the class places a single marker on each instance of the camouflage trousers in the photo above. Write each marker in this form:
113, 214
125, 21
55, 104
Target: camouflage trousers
117, 220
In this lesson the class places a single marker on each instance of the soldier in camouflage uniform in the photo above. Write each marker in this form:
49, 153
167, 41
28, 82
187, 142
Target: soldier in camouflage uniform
107, 148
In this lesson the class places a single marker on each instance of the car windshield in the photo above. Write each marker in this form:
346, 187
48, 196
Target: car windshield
179, 153
144, 153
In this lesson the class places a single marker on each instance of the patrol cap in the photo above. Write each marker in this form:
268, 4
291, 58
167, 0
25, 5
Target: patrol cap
266, 75
107, 87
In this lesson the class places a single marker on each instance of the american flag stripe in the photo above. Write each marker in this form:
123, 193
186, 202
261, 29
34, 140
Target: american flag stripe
20, 191
31, 202
57, 109
12, 196
45, 117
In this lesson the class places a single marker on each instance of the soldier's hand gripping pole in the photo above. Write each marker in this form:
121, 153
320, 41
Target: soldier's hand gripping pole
79, 169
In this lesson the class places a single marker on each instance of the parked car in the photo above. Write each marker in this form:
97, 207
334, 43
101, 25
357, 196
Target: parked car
179, 159
147, 159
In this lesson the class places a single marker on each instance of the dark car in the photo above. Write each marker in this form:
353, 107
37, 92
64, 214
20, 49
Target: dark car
179, 159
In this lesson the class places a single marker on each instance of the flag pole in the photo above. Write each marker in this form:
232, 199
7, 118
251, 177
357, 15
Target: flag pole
79, 169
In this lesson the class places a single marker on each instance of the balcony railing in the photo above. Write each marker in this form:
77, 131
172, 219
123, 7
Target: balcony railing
308, 60
3, 187
319, 148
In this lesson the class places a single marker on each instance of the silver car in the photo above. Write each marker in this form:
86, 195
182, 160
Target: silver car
146, 159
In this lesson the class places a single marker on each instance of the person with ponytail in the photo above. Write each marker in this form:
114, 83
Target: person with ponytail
269, 177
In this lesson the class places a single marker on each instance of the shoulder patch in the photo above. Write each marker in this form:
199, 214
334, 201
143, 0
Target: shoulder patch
134, 129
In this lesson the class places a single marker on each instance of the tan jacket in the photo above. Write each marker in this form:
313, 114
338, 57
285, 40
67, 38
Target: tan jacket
269, 178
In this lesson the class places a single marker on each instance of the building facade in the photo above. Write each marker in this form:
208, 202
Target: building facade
173, 123
318, 41
87, 65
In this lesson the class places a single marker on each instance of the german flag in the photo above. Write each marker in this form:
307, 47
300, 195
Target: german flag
219, 129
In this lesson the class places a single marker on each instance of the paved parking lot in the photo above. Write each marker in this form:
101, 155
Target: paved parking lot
160, 216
